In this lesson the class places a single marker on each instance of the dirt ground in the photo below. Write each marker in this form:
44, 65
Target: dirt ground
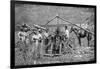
78, 54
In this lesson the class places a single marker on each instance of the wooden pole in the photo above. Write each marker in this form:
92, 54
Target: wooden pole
75, 25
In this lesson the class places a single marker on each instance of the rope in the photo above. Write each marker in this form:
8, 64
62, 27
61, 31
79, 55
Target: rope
50, 20
75, 25
71, 23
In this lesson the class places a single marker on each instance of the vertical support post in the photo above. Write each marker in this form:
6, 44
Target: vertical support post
60, 48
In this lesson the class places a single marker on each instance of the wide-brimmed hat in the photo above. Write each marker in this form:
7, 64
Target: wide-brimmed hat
25, 27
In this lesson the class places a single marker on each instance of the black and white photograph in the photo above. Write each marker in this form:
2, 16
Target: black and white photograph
52, 33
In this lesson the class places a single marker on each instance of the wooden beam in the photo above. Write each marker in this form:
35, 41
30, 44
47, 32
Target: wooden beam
56, 25
76, 25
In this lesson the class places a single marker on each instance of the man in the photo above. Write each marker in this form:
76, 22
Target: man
66, 32
23, 33
37, 38
23, 36
46, 33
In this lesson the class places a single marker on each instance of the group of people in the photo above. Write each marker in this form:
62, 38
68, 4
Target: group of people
37, 32
41, 35
38, 35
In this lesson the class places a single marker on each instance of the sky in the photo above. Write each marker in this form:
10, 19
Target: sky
41, 14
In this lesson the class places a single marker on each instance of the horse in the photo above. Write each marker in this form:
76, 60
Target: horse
80, 33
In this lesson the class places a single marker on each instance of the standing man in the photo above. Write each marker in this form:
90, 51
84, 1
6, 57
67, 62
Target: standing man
23, 33
46, 33
45, 39
66, 31
23, 36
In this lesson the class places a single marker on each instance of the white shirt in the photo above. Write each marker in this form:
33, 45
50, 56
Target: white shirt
37, 37
67, 33
46, 34
22, 35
